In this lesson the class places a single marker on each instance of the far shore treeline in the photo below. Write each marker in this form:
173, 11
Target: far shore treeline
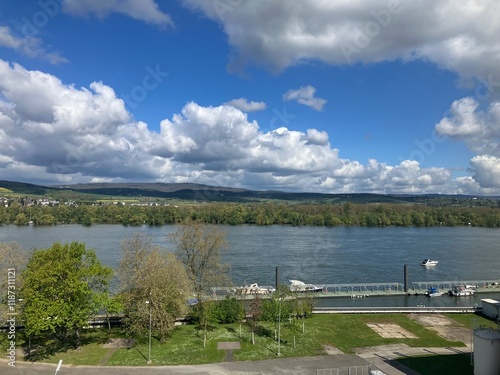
278, 213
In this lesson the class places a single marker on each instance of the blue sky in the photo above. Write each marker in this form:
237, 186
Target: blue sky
340, 96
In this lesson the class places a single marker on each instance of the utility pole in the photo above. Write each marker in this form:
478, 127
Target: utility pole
279, 327
150, 320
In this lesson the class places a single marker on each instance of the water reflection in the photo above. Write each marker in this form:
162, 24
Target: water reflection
405, 301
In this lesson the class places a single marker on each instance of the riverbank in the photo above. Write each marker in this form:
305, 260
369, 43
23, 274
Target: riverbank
327, 342
300, 338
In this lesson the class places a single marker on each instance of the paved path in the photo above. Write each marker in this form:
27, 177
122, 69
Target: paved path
107, 356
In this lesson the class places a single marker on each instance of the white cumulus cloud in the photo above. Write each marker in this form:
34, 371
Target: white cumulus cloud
478, 128
486, 169
143, 10
66, 134
461, 37
305, 96
247, 106
28, 46
458, 36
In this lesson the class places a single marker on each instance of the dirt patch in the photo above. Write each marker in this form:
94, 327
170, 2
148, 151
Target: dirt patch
119, 343
391, 331
331, 350
228, 345
445, 327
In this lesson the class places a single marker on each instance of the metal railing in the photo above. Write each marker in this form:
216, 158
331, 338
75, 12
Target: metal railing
351, 370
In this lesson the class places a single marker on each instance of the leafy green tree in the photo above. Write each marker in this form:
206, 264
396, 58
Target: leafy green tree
149, 274
45, 219
63, 286
112, 305
278, 308
12, 260
4, 217
21, 219
228, 311
204, 314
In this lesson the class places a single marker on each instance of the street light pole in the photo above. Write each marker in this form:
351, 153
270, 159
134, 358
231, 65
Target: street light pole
149, 347
279, 328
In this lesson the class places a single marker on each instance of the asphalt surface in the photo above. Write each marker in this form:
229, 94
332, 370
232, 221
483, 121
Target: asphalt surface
289, 366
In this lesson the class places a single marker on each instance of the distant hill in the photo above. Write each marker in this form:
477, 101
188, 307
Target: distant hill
24, 188
200, 192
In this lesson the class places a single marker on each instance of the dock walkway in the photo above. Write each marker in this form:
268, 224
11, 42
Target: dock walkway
394, 310
361, 290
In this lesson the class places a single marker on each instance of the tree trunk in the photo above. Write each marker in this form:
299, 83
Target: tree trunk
78, 338
109, 323
28, 350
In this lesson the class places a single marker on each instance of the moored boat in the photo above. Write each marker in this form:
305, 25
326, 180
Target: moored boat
433, 292
299, 286
461, 291
253, 289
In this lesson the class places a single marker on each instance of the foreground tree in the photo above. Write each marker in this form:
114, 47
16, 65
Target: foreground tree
229, 310
63, 286
12, 260
149, 274
199, 247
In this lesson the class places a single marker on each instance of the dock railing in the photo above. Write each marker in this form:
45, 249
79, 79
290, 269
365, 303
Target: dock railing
479, 284
363, 287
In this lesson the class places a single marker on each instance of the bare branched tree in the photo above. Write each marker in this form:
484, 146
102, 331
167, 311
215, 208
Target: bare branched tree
199, 247
148, 273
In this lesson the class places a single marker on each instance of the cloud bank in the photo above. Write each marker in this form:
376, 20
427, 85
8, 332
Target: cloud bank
457, 36
461, 37
68, 135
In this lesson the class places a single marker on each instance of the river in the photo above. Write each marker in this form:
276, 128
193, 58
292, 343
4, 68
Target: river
317, 255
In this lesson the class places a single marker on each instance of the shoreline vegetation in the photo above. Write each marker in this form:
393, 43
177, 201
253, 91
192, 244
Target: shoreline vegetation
347, 214
172, 203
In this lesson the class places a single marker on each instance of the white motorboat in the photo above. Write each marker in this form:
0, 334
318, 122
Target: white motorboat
461, 290
433, 292
429, 262
254, 289
299, 286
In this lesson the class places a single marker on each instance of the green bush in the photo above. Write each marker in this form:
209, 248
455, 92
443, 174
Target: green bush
228, 311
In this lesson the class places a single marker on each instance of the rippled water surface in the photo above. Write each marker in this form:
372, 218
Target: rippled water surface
313, 254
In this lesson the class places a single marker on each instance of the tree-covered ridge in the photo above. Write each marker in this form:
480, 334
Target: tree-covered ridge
255, 213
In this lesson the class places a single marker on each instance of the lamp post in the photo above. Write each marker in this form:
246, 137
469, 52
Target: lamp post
279, 327
149, 347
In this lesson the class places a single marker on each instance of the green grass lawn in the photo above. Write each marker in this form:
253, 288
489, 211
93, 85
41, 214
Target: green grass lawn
472, 321
89, 354
185, 346
345, 332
